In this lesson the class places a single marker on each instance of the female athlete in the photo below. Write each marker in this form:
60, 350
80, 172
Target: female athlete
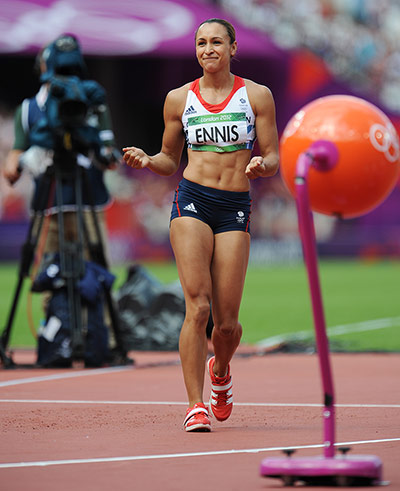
219, 115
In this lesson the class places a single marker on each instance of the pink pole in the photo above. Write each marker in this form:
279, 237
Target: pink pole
322, 155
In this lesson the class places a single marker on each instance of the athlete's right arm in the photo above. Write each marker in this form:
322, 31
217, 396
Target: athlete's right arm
166, 162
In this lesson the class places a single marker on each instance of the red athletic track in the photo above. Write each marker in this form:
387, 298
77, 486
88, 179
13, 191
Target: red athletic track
149, 447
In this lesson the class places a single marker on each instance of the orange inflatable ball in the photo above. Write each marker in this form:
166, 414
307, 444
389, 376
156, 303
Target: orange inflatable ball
369, 156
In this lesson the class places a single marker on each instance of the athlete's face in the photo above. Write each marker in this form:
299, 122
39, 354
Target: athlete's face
213, 47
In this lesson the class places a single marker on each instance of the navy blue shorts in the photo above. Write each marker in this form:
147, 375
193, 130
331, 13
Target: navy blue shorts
221, 210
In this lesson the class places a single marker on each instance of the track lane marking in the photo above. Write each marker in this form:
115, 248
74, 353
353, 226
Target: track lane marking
47, 463
176, 403
60, 376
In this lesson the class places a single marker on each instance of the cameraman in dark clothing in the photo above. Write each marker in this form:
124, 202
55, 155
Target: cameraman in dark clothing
56, 136
55, 61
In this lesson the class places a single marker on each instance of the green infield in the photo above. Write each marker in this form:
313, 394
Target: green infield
360, 299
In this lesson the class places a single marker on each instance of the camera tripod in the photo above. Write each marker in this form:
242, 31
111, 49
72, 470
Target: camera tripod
71, 255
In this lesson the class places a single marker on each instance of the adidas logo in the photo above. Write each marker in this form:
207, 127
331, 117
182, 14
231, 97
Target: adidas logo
190, 207
190, 110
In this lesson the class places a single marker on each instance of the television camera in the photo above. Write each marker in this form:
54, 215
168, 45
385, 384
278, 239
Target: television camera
67, 133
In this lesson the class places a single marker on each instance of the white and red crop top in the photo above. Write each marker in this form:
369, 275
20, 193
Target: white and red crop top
224, 127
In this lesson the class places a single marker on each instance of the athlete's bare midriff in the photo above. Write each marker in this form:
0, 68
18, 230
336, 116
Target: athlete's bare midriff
219, 170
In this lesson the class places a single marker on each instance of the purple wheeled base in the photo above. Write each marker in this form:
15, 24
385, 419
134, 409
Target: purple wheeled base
343, 470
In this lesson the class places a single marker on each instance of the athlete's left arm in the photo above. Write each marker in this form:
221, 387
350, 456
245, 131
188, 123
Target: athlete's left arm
262, 101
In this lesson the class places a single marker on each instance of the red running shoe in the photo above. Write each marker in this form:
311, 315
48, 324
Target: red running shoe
221, 398
197, 418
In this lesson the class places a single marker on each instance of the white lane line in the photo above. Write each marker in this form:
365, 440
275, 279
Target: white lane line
369, 325
60, 376
46, 463
176, 403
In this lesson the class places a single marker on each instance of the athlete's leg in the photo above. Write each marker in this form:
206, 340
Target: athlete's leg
193, 242
229, 265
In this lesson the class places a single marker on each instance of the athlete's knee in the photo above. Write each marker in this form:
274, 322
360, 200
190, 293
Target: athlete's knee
198, 310
228, 328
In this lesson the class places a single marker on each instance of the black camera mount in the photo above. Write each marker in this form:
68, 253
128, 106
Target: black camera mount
72, 264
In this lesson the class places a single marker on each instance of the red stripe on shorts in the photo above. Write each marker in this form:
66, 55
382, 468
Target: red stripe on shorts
177, 204
248, 220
